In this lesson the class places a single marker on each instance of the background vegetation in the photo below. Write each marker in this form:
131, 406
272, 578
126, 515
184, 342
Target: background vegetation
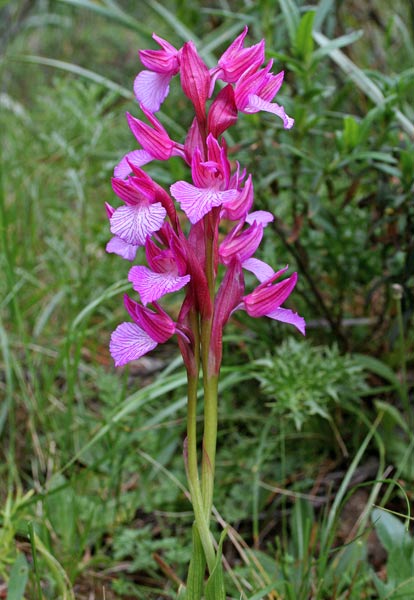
315, 470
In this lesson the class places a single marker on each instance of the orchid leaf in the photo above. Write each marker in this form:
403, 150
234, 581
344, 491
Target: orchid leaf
19, 575
215, 584
195, 579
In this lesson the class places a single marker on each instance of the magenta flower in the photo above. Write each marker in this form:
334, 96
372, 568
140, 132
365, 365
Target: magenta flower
242, 243
195, 79
152, 87
211, 179
177, 261
130, 341
267, 298
168, 273
140, 217
155, 140
255, 90
237, 209
236, 59
137, 158
116, 245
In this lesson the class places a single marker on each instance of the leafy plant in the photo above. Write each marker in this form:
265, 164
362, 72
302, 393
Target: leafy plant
301, 380
399, 544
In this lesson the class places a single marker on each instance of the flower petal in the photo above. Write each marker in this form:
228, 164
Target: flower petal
151, 89
288, 316
137, 157
134, 223
255, 104
197, 202
262, 270
264, 300
123, 249
242, 244
262, 217
152, 286
129, 342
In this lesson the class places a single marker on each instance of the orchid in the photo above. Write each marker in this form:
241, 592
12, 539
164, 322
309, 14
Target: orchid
190, 247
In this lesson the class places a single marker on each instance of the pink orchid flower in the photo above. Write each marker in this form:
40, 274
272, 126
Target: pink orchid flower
236, 59
184, 248
152, 86
116, 245
211, 179
130, 341
168, 272
154, 140
255, 90
267, 298
141, 216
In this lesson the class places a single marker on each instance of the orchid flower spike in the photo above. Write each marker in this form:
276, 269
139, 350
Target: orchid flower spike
184, 231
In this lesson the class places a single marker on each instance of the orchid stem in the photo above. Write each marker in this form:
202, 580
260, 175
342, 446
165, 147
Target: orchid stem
192, 460
209, 443
210, 383
193, 477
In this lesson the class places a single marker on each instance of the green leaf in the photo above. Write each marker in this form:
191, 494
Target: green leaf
19, 574
303, 45
392, 412
301, 524
369, 363
390, 530
215, 584
339, 42
195, 579
324, 8
292, 18
115, 15
182, 593
351, 132
395, 538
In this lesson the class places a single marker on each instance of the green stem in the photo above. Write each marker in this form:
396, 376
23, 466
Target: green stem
193, 477
210, 383
192, 461
404, 385
209, 443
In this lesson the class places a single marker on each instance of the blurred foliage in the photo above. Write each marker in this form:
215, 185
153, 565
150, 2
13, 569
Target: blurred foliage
302, 380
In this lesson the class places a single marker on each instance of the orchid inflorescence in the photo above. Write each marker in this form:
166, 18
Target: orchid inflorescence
203, 249
184, 256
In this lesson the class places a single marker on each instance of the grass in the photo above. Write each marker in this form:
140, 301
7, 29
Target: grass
93, 502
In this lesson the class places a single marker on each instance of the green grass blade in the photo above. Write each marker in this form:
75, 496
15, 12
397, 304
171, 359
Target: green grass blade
364, 83
113, 290
324, 8
339, 42
292, 18
114, 14
7, 404
178, 26
340, 494
76, 70
180, 29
